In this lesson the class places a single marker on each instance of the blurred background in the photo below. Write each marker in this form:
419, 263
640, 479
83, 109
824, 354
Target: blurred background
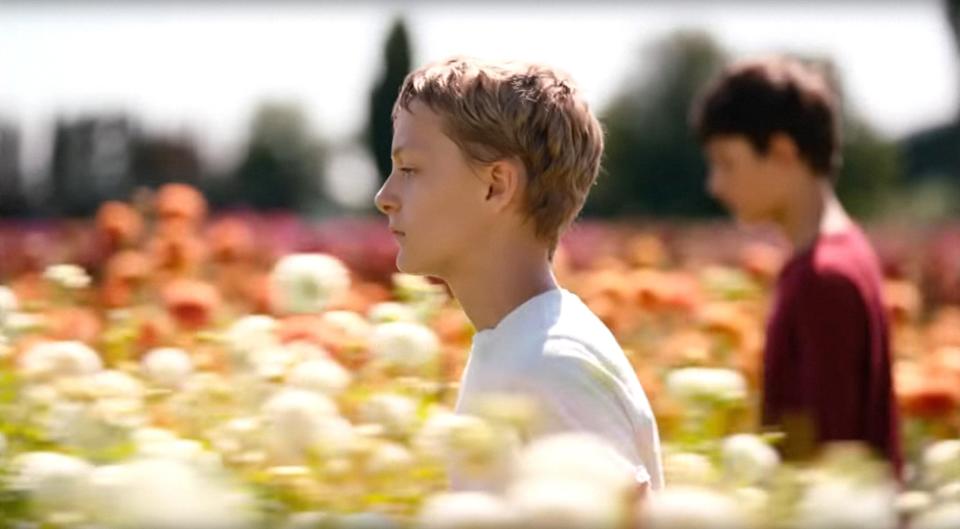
284, 106
113, 115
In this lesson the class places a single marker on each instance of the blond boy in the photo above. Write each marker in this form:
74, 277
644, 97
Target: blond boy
491, 162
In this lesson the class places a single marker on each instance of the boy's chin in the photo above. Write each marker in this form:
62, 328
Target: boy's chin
407, 265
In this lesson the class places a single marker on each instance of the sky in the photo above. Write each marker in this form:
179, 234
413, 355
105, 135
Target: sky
201, 69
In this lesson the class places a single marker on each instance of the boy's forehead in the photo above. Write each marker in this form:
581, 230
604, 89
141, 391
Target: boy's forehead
727, 142
414, 131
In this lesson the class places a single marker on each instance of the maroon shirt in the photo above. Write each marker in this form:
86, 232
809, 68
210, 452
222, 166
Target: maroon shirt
827, 357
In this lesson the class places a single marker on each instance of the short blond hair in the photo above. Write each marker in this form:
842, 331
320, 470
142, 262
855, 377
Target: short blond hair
494, 111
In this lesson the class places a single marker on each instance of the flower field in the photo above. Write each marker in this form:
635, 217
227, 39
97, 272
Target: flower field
163, 367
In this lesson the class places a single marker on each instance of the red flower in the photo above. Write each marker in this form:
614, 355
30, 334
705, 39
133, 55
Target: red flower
191, 303
230, 240
119, 224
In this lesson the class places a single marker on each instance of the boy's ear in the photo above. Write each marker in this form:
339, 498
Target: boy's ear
505, 179
782, 148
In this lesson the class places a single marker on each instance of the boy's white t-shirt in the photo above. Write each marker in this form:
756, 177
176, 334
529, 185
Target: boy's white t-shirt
553, 349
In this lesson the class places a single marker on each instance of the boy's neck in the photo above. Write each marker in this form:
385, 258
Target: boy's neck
815, 211
492, 288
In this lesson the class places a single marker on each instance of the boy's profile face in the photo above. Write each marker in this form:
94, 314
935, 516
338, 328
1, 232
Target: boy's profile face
745, 181
432, 197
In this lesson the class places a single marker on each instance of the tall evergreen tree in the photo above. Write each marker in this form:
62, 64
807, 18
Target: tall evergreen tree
396, 66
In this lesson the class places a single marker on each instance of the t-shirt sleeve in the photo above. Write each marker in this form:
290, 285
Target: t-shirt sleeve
832, 333
574, 393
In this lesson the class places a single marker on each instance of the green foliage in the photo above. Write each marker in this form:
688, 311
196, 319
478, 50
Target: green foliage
653, 164
282, 167
396, 58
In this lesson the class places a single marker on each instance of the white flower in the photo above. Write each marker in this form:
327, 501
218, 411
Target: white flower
407, 346
364, 520
694, 384
349, 322
8, 304
144, 438
187, 451
305, 283
414, 287
52, 360
388, 311
298, 421
166, 493
323, 376
168, 366
68, 276
835, 503
115, 384
93, 425
753, 500
686, 507
249, 334
577, 456
389, 459
946, 516
941, 462
239, 439
397, 414
949, 492
465, 510
433, 439
54, 482
566, 504
307, 520
272, 363
17, 323
913, 502
747, 459
687, 468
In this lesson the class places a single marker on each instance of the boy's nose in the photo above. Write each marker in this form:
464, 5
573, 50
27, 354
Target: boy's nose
385, 201
713, 185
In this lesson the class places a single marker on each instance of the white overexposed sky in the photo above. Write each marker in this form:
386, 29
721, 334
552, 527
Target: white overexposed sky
203, 68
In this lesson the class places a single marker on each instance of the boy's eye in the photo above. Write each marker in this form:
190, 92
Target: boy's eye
406, 171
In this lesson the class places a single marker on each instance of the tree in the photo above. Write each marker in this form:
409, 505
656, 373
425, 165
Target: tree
396, 58
934, 153
653, 164
282, 167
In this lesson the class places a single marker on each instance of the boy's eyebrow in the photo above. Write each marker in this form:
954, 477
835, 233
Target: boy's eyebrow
399, 151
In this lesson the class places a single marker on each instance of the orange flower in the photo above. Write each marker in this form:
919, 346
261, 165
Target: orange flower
73, 323
191, 303
903, 301
761, 260
453, 327
923, 392
342, 341
180, 202
119, 224
944, 328
647, 251
154, 331
177, 254
124, 273
656, 290
361, 297
257, 293
231, 240
128, 266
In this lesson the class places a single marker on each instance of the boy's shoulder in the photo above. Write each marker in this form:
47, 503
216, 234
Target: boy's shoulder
841, 261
